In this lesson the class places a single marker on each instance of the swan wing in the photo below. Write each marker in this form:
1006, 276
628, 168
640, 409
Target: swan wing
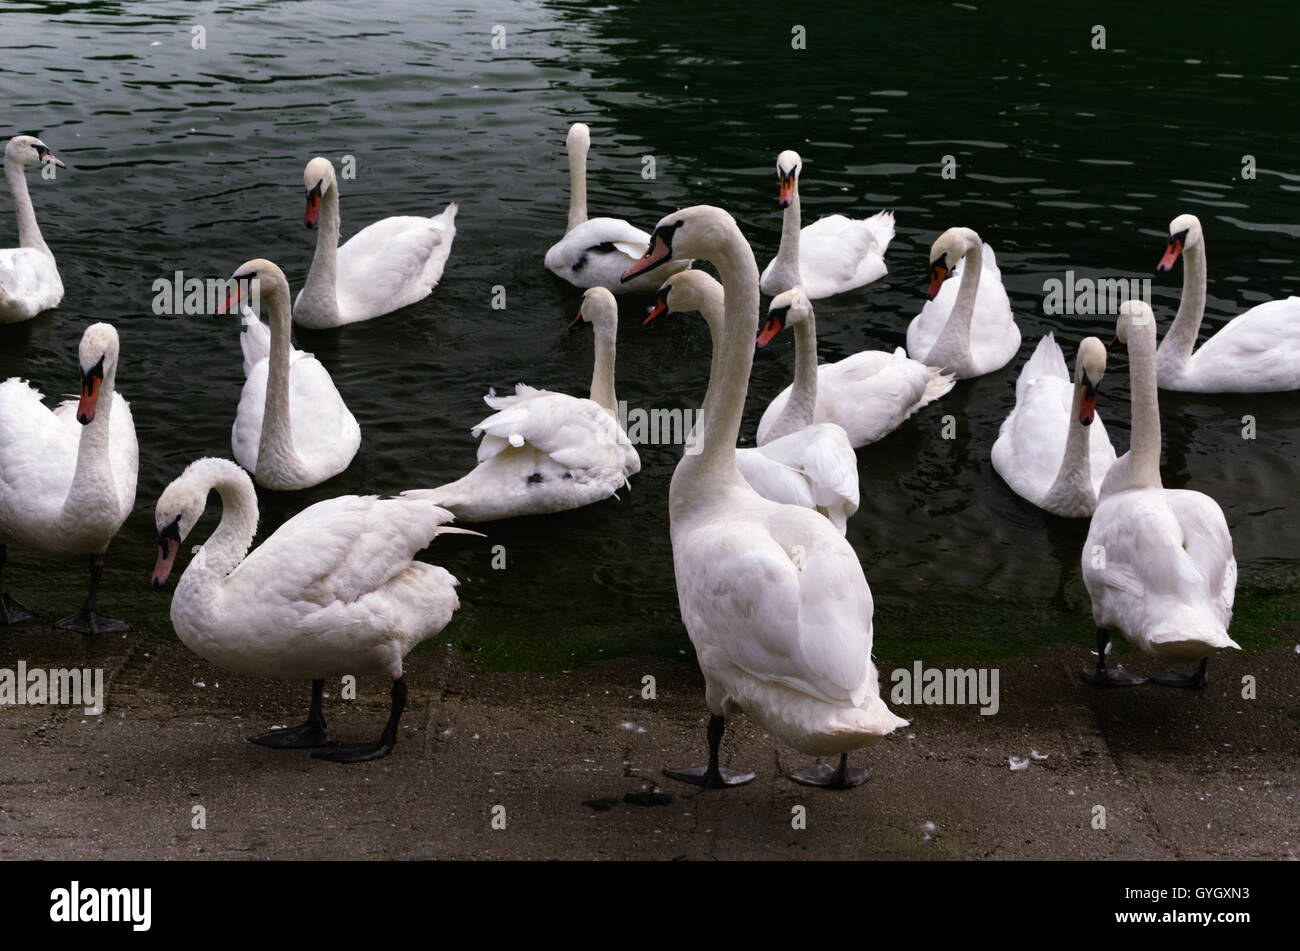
1256, 350
838, 253
38, 454
124, 453
381, 268
324, 430
246, 433
29, 283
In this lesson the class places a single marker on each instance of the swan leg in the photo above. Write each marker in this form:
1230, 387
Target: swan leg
11, 611
1101, 676
364, 752
88, 620
712, 776
306, 736
843, 777
1190, 681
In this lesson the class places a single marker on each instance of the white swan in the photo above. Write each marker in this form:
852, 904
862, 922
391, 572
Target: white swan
1255, 352
773, 597
833, 254
965, 327
815, 466
869, 394
1052, 448
382, 268
29, 278
67, 475
548, 452
1158, 562
292, 429
335, 590
595, 252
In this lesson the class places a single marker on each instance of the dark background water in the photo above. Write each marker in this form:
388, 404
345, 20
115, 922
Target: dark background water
1069, 158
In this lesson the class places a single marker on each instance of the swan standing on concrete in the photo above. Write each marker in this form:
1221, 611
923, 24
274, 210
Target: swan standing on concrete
1158, 562
595, 252
1255, 352
833, 254
773, 597
966, 326
1053, 449
814, 466
382, 268
335, 590
292, 429
548, 452
869, 394
67, 475
29, 278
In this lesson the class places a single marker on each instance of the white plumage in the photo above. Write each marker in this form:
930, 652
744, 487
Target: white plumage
385, 266
1043, 450
544, 452
830, 256
966, 327
29, 278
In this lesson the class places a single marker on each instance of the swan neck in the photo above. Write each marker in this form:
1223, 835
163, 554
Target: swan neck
787, 254
801, 409
1076, 463
230, 541
1181, 338
577, 186
29, 233
277, 432
320, 288
1145, 438
92, 480
602, 374
964, 308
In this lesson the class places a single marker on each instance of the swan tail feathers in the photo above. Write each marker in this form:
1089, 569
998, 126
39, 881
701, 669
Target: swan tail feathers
936, 386
881, 226
1046, 360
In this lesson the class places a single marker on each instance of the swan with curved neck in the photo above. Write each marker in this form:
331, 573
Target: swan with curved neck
869, 394
814, 465
546, 452
1256, 352
969, 330
1158, 563
292, 429
773, 597
68, 476
1052, 448
833, 254
29, 278
384, 267
595, 252
335, 590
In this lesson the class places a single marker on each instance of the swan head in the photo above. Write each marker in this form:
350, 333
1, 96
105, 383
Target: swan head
949, 248
787, 309
97, 354
1184, 233
695, 232
788, 165
1135, 323
24, 150
178, 510
579, 138
599, 308
1090, 366
317, 178
254, 281
686, 291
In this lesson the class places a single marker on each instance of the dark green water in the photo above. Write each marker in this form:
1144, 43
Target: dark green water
1068, 158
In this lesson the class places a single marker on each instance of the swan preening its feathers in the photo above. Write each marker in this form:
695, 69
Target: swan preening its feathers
1158, 562
67, 475
335, 590
813, 465
292, 429
868, 394
1255, 352
546, 452
29, 278
383, 267
595, 252
1053, 449
834, 254
966, 327
773, 597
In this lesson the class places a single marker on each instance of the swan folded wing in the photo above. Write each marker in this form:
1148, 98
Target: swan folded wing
774, 479
382, 267
833, 248
124, 453
1207, 542
822, 455
576, 433
597, 236
323, 426
1031, 441
338, 551
38, 450
806, 628
30, 277
1262, 344
246, 433
1047, 360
